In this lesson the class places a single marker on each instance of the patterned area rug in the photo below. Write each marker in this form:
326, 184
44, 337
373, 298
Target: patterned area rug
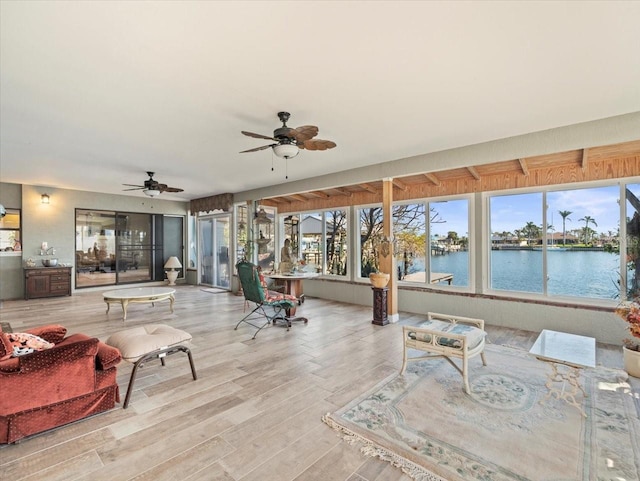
424, 423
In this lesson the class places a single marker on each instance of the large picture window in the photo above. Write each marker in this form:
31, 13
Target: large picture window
568, 249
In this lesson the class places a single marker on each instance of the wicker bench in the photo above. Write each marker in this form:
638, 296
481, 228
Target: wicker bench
444, 335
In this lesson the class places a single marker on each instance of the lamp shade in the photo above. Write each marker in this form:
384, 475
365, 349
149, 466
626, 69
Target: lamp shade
173, 263
152, 193
286, 151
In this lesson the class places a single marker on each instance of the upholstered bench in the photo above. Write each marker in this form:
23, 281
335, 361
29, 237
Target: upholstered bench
145, 343
444, 335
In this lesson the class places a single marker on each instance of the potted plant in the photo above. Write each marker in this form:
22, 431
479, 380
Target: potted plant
630, 313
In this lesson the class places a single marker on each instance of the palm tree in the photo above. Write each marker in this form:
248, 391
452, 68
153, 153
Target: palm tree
531, 230
565, 216
587, 220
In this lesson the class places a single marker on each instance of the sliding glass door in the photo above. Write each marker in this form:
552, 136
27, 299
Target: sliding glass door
115, 248
213, 260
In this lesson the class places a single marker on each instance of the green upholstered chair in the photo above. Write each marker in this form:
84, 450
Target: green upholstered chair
270, 306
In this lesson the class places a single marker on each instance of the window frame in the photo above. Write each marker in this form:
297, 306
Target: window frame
485, 253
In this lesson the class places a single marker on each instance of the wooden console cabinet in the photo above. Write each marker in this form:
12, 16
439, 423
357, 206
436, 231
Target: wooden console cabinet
47, 282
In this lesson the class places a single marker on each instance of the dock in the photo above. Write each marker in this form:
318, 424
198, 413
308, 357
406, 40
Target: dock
436, 277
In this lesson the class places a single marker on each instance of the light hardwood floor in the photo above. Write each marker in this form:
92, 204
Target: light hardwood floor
254, 412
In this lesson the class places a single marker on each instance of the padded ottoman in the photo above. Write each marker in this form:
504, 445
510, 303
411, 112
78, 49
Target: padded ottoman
145, 343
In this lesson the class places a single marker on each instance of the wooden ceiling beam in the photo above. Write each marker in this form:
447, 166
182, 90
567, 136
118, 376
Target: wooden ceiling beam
299, 197
369, 188
342, 191
320, 194
433, 179
523, 166
585, 159
400, 185
474, 172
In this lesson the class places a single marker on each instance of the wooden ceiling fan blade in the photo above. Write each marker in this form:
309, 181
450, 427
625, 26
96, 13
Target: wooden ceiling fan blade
257, 136
304, 132
257, 148
165, 188
135, 188
318, 144
134, 185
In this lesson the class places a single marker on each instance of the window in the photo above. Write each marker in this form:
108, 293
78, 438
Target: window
370, 226
582, 250
336, 242
409, 232
632, 215
311, 233
264, 240
516, 253
569, 249
448, 227
449, 242
10, 232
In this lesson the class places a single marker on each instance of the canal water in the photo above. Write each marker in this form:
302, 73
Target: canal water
592, 274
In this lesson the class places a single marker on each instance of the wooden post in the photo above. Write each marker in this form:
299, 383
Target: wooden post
387, 263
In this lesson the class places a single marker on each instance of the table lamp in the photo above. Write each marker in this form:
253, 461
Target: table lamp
171, 265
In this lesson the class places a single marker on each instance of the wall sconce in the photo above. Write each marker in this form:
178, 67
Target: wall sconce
44, 199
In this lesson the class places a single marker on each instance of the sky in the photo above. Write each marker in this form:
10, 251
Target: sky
510, 212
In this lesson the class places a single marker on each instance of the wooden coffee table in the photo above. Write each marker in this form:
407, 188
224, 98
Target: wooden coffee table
138, 295
570, 350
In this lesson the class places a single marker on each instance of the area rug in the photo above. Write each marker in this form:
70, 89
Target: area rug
424, 423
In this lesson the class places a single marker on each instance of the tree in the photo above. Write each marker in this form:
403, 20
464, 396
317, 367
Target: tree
336, 242
565, 217
532, 231
408, 220
587, 232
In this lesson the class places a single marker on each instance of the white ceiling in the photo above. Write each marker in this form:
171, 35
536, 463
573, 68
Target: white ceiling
93, 94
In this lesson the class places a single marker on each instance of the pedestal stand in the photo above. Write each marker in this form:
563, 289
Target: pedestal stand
380, 306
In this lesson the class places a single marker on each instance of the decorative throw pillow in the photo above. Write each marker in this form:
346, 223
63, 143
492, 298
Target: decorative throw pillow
25, 343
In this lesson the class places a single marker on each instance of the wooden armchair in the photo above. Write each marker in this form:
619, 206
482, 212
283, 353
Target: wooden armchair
444, 335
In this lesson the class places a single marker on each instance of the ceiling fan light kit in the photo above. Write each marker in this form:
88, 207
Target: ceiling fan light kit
151, 192
286, 151
289, 140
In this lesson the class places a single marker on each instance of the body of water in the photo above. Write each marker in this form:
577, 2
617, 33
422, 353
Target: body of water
592, 274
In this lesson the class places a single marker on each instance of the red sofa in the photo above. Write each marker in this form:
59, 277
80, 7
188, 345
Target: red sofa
45, 389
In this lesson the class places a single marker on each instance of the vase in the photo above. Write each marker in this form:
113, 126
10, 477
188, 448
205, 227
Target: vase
379, 279
631, 360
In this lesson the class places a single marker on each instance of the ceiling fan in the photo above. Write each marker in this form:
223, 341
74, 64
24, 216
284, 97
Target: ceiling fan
289, 141
152, 187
